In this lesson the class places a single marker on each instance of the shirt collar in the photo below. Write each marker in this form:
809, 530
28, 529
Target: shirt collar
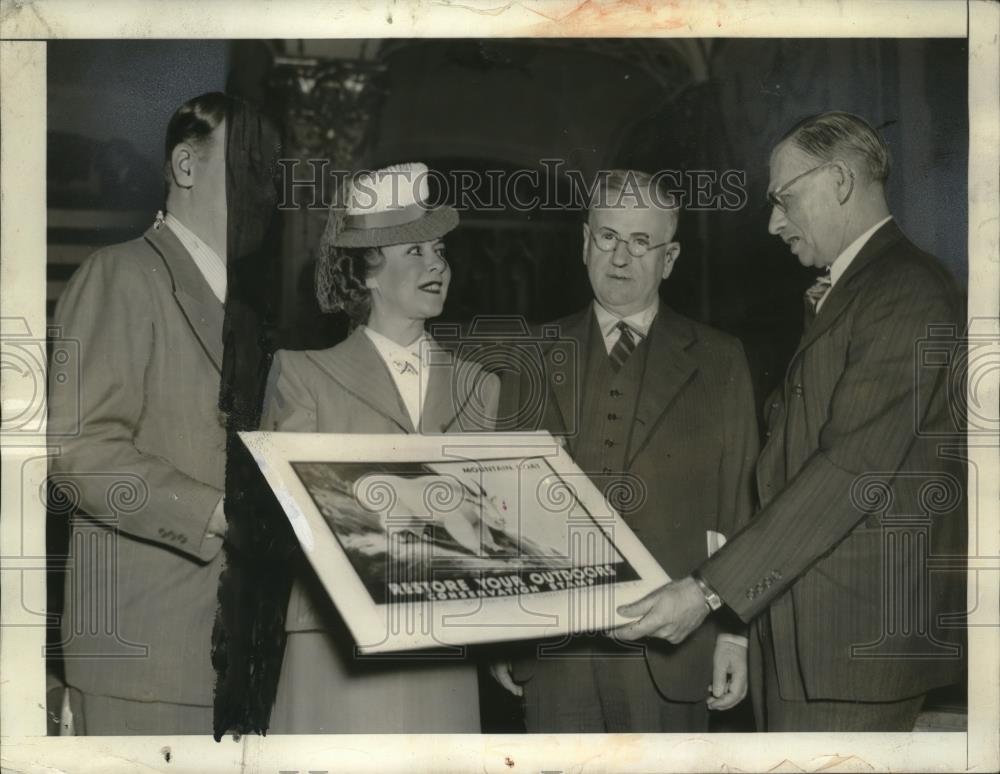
188, 238
639, 322
392, 352
839, 266
211, 266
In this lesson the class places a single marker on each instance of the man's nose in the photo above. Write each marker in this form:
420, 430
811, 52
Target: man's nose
776, 221
620, 256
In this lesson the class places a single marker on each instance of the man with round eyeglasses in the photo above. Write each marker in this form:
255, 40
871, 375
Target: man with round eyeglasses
850, 626
661, 408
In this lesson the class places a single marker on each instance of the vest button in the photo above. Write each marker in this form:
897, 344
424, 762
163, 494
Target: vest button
615, 393
612, 416
797, 389
608, 442
606, 471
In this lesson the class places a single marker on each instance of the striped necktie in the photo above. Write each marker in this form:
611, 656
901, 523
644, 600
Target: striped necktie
623, 347
815, 293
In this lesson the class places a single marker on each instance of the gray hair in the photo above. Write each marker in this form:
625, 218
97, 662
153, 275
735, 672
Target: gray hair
615, 186
833, 135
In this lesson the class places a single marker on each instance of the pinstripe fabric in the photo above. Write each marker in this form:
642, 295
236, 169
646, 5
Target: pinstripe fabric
689, 457
140, 601
844, 422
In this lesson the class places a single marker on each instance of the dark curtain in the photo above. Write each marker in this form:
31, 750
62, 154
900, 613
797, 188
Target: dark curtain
248, 640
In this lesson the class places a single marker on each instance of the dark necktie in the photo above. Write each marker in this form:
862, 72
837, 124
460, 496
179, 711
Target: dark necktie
815, 293
623, 347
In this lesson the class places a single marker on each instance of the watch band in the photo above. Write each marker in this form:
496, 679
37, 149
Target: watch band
712, 599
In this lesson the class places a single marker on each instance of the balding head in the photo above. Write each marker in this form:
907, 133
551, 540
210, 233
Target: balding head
635, 188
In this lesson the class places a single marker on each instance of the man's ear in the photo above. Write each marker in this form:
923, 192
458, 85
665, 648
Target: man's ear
845, 180
182, 159
672, 252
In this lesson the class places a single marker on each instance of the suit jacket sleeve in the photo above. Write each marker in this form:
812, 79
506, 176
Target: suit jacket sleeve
736, 482
107, 308
870, 427
736, 478
289, 404
490, 392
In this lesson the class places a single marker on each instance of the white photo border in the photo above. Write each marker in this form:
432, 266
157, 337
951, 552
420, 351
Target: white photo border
25, 26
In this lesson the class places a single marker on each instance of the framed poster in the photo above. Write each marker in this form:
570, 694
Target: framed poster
431, 541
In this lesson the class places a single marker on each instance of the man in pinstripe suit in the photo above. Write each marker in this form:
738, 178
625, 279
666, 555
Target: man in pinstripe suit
857, 488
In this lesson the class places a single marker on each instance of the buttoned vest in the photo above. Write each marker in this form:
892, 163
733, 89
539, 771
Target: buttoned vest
608, 404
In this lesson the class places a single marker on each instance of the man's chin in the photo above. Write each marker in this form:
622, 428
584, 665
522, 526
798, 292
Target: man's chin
615, 301
806, 258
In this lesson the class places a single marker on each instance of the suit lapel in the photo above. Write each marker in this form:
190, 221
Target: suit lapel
579, 328
846, 288
357, 366
202, 310
668, 368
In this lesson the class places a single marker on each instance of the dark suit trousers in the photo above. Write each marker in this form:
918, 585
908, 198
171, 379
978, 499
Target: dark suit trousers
775, 713
593, 686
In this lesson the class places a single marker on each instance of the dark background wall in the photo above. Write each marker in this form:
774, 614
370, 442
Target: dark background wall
126, 89
108, 107
507, 104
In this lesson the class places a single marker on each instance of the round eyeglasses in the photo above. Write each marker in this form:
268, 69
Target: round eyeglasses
607, 239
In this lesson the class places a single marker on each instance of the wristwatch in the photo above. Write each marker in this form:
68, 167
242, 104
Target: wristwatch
712, 599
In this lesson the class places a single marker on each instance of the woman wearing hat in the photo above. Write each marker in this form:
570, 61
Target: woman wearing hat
382, 262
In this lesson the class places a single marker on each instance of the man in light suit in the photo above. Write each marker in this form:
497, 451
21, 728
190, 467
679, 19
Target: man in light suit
662, 405
144, 567
856, 484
